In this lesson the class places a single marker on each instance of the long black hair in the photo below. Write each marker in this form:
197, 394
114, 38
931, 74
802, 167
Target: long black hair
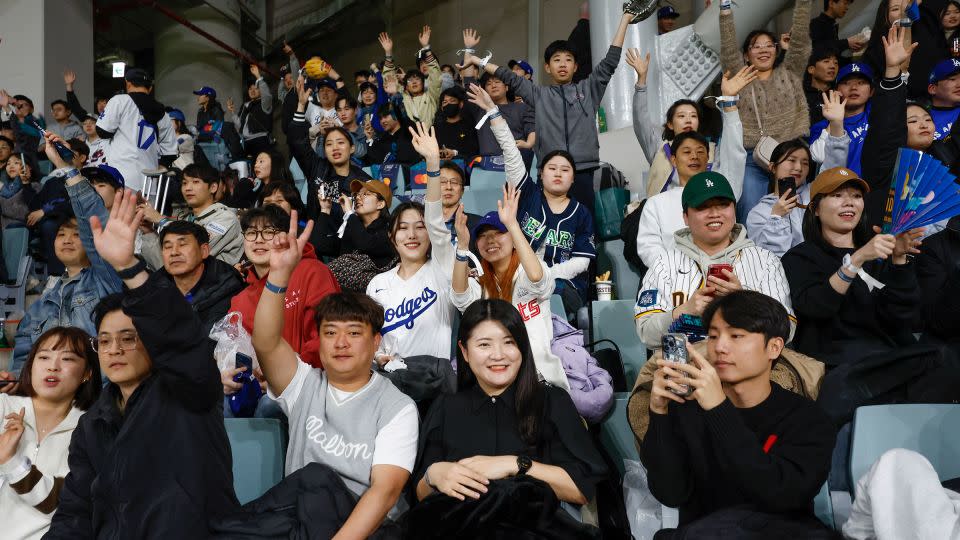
395, 223
781, 153
669, 134
813, 228
529, 397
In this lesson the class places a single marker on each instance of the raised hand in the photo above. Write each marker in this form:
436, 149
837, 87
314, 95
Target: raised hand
834, 106
471, 38
10, 438
50, 150
731, 86
640, 63
4, 99
507, 208
460, 226
479, 97
785, 204
255, 70
69, 77
425, 142
895, 47
231, 106
286, 250
115, 241
386, 43
785, 41
303, 93
424, 36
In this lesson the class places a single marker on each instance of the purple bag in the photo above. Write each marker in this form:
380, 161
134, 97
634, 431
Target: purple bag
591, 386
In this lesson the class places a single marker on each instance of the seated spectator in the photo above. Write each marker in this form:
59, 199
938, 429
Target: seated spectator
821, 76
163, 399
51, 205
944, 93
96, 143
415, 294
208, 283
65, 127
359, 242
559, 229
452, 181
655, 139
287, 197
419, 96
938, 273
492, 431
254, 122
270, 167
855, 85
310, 282
666, 19
69, 300
186, 149
371, 99
776, 222
325, 405
520, 116
856, 297
347, 114
106, 182
392, 145
19, 109
736, 442
825, 30
60, 380
17, 191
680, 281
6, 150
199, 187
456, 130
689, 152
511, 271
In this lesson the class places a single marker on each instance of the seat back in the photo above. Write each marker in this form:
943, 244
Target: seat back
823, 507
556, 306
616, 436
484, 179
930, 430
626, 280
258, 447
613, 320
16, 240
608, 357
481, 201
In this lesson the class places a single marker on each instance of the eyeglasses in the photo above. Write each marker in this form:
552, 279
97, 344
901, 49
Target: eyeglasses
763, 47
128, 342
252, 234
450, 182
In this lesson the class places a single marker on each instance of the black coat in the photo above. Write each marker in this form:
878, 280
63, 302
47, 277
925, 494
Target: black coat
211, 296
371, 240
887, 134
938, 271
162, 467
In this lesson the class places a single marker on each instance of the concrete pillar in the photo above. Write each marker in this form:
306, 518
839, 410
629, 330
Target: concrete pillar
185, 60
41, 38
604, 20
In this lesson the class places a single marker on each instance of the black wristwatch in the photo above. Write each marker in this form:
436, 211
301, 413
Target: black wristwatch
130, 273
523, 465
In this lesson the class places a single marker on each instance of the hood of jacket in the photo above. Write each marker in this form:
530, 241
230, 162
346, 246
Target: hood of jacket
739, 241
251, 278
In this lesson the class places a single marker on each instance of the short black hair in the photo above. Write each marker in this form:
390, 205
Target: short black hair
561, 153
486, 77
206, 173
387, 109
269, 214
350, 307
60, 102
452, 165
822, 52
290, 193
455, 92
368, 86
21, 97
413, 73
365, 73
108, 304
682, 137
352, 103
183, 228
560, 45
8, 140
79, 146
752, 311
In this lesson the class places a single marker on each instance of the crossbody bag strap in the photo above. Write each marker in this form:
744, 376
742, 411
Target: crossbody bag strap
756, 110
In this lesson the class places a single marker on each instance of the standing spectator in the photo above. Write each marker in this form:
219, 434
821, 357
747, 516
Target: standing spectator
347, 114
825, 29
456, 131
950, 22
566, 111
392, 145
64, 126
19, 110
255, 120
185, 143
855, 85
59, 382
164, 396
140, 133
944, 92
96, 144
737, 449
69, 300
666, 19
419, 95
821, 76
209, 114
776, 100
521, 68
310, 282
17, 191
269, 168
372, 97
288, 73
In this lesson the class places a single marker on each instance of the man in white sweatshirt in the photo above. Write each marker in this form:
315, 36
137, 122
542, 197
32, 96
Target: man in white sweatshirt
678, 283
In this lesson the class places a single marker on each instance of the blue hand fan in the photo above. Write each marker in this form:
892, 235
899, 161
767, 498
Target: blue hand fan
925, 192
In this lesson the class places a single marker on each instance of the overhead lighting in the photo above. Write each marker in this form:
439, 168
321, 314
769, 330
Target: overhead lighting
118, 69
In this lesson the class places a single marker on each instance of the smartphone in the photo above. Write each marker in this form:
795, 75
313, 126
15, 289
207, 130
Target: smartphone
244, 360
716, 270
675, 350
4, 382
783, 184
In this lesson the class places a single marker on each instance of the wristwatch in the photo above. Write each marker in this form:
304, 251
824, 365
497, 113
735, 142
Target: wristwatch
523, 465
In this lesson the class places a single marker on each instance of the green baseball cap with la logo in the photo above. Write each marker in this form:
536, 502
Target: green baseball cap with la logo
705, 186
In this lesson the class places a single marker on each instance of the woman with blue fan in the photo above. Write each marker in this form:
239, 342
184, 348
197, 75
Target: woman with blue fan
856, 296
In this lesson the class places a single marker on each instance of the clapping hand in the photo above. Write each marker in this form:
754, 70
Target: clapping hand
460, 226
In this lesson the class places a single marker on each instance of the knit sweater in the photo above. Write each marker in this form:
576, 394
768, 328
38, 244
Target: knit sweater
780, 100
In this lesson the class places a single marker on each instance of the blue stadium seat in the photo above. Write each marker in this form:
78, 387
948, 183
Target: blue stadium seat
481, 201
258, 446
613, 320
295, 171
16, 241
217, 154
626, 280
930, 430
823, 507
486, 180
616, 436
556, 305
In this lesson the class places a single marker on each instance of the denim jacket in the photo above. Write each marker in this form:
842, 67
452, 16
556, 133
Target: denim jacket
71, 301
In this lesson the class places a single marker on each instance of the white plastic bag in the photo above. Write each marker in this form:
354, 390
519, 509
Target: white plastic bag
231, 339
643, 509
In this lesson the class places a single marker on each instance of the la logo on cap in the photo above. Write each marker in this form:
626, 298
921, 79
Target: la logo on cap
855, 68
956, 63
709, 183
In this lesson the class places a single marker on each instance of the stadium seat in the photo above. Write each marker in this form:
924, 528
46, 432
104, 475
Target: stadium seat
616, 436
487, 180
481, 201
823, 507
258, 447
556, 306
928, 429
217, 154
295, 171
613, 320
18, 264
626, 280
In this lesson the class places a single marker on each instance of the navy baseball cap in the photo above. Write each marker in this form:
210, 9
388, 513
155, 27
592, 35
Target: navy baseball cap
944, 70
138, 76
206, 91
855, 69
327, 82
104, 173
176, 114
667, 12
490, 219
524, 65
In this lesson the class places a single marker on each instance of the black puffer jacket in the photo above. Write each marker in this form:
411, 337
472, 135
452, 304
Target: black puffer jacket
938, 271
161, 468
211, 297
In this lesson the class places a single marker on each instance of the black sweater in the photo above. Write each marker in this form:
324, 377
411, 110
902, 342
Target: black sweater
839, 328
938, 271
371, 240
887, 134
774, 456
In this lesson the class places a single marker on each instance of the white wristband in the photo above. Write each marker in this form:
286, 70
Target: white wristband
484, 118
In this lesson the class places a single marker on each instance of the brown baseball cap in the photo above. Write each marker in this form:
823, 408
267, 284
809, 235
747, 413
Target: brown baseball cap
375, 186
829, 180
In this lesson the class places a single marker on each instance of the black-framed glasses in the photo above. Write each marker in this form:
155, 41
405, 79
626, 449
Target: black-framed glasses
127, 342
267, 234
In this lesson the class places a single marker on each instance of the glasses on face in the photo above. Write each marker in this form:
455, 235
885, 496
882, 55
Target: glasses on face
763, 46
127, 342
252, 234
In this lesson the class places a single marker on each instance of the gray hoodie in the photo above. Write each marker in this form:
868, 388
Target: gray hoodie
678, 273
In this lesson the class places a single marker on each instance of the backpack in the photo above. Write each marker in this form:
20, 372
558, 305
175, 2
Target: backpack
591, 386
628, 233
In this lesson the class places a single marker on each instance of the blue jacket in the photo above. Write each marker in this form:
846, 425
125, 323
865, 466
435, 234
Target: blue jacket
70, 301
